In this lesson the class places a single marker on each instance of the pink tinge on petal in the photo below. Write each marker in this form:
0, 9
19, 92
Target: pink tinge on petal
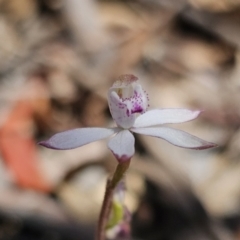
77, 137
122, 145
176, 137
165, 116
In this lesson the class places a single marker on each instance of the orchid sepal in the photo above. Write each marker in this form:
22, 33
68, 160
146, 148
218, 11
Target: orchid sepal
176, 137
78, 137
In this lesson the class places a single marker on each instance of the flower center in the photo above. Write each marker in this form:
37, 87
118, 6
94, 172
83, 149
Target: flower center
126, 99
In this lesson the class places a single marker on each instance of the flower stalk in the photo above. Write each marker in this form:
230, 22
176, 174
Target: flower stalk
108, 196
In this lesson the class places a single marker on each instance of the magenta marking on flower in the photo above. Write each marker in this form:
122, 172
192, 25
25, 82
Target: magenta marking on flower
128, 103
137, 109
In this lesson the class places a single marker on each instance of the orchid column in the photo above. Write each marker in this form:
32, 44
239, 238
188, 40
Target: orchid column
128, 104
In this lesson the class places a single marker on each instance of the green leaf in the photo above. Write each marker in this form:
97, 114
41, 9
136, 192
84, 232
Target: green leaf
116, 215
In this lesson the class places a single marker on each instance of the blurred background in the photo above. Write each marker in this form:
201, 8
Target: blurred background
57, 60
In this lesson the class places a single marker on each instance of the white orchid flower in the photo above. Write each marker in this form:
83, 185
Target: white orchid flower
128, 104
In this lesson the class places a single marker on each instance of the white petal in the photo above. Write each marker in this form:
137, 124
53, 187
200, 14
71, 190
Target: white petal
175, 137
122, 145
77, 137
162, 116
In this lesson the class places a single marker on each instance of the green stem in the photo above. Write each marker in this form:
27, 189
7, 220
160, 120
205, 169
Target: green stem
107, 201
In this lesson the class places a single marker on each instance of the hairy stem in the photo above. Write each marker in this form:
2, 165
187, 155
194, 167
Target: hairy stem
107, 201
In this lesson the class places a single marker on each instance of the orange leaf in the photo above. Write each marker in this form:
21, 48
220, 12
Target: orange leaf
18, 148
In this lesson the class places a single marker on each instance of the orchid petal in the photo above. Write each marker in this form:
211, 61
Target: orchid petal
162, 116
77, 137
176, 137
122, 145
